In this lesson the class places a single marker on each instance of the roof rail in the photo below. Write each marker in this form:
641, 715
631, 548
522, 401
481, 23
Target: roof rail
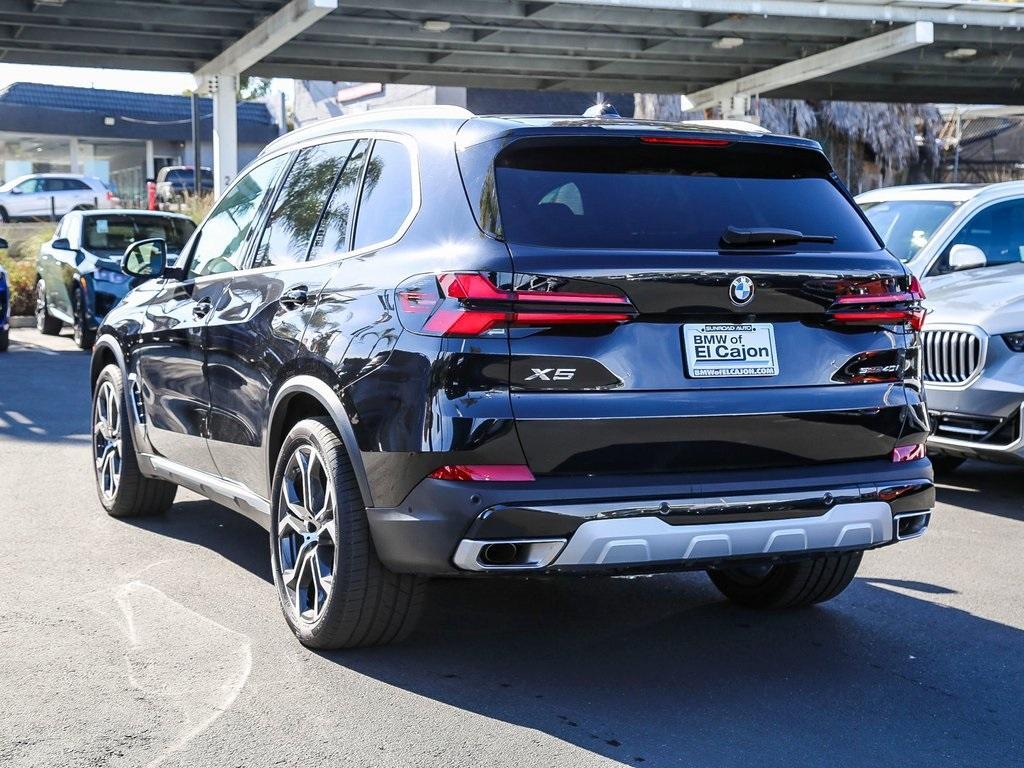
438, 111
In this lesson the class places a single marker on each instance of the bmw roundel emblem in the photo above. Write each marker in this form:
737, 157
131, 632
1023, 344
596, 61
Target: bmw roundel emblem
741, 291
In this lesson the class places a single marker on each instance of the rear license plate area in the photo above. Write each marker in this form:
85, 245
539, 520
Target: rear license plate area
718, 350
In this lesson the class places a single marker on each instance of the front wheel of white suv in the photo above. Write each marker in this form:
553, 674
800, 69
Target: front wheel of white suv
787, 585
334, 591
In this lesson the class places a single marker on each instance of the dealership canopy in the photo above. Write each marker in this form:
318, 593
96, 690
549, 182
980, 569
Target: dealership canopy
909, 50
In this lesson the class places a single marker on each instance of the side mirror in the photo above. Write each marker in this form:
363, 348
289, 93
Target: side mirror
145, 258
15, 191
61, 244
965, 256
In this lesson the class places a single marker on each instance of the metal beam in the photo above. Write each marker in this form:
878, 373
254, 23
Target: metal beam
276, 30
818, 65
984, 14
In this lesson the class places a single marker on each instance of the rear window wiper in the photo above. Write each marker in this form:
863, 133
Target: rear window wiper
770, 236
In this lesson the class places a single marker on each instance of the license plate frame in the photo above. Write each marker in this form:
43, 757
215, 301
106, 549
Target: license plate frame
730, 350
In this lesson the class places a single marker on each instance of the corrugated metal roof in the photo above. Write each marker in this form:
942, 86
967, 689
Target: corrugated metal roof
150, 107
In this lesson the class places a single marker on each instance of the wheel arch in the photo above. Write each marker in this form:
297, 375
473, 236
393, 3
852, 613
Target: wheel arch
303, 396
105, 351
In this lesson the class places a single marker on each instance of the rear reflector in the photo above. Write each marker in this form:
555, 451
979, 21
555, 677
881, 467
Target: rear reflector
506, 473
908, 453
470, 304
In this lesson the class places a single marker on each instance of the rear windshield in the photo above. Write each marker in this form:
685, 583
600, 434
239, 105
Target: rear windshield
628, 194
187, 174
116, 232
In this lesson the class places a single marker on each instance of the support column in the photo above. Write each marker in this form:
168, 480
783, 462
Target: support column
73, 155
150, 164
225, 131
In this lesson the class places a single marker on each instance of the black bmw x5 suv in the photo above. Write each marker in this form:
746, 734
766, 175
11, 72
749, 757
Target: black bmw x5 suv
431, 343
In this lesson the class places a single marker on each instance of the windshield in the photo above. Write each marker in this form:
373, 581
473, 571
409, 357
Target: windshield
640, 195
906, 225
116, 232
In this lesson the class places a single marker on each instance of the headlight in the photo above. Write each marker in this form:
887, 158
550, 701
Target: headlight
110, 275
1015, 341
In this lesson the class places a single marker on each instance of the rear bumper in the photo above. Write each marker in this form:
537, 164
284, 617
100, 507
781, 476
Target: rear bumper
650, 524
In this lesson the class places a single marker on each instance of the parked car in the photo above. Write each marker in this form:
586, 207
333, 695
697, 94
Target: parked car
43, 194
973, 345
5, 304
431, 343
174, 182
966, 244
78, 271
936, 229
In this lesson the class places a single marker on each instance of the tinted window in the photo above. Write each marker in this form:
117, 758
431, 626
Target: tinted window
628, 194
387, 194
222, 239
115, 232
906, 225
75, 184
333, 234
297, 209
997, 230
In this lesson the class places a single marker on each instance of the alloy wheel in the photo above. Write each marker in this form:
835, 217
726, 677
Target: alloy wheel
107, 439
306, 532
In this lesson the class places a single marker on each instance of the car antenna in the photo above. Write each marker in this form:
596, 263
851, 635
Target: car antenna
602, 110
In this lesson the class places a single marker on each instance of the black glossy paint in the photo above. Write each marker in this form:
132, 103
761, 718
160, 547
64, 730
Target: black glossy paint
212, 352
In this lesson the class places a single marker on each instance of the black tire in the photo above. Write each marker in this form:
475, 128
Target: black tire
4, 217
133, 495
45, 323
85, 337
365, 604
5, 339
788, 585
945, 465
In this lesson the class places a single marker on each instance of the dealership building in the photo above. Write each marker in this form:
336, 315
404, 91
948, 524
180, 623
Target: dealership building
120, 137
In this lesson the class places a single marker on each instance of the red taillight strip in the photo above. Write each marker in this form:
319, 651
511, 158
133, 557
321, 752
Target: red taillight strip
685, 141
885, 298
912, 315
903, 453
504, 473
474, 320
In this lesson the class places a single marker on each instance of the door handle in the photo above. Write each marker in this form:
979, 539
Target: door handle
295, 297
202, 309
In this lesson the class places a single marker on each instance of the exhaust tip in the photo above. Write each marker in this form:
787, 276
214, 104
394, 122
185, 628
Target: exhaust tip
911, 526
503, 553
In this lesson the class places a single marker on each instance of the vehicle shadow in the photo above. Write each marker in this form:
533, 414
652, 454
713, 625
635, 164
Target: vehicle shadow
44, 394
660, 672
981, 486
207, 524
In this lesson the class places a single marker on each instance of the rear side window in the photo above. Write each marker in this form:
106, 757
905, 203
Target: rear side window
332, 236
387, 194
309, 182
632, 195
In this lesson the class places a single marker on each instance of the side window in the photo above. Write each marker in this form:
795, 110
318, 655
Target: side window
997, 230
75, 184
29, 186
54, 185
333, 234
222, 239
289, 229
387, 194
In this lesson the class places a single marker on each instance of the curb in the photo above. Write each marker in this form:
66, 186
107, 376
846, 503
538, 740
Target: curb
22, 321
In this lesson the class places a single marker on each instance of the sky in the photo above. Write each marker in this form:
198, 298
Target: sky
116, 79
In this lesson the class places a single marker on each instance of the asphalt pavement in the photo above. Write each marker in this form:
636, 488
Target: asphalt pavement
160, 642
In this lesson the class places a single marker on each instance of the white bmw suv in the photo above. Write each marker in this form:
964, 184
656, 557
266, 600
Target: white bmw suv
41, 195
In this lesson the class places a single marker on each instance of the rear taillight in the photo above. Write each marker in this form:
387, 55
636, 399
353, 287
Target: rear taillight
470, 304
880, 302
110, 196
505, 473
